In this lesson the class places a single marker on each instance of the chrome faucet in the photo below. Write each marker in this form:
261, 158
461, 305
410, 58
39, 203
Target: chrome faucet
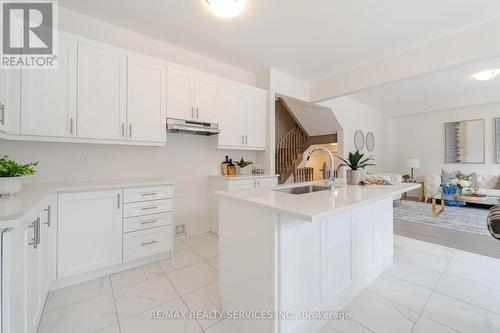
330, 181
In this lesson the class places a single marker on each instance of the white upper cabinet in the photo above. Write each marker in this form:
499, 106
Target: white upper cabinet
191, 95
101, 92
180, 93
49, 96
146, 99
205, 89
255, 117
10, 100
231, 116
242, 116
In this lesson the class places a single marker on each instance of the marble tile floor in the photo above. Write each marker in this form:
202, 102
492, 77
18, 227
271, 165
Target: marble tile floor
429, 288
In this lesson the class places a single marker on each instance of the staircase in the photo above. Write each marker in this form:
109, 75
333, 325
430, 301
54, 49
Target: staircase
289, 152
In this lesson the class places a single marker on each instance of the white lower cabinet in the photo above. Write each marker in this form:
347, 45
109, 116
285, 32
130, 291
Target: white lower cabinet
89, 231
27, 271
146, 242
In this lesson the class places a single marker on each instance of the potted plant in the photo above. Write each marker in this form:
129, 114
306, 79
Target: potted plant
243, 167
11, 174
356, 164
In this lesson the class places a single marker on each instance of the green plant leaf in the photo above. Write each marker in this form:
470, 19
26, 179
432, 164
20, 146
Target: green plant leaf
9, 168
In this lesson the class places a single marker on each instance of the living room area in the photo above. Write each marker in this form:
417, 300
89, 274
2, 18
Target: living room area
442, 131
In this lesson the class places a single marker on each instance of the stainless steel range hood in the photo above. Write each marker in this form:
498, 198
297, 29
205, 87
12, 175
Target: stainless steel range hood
191, 127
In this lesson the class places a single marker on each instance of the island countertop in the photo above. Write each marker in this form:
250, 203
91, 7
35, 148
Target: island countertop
312, 206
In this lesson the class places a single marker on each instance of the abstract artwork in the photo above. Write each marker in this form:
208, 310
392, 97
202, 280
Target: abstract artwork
497, 140
464, 141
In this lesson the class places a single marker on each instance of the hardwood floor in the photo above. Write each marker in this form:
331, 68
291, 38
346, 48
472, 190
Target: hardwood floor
466, 241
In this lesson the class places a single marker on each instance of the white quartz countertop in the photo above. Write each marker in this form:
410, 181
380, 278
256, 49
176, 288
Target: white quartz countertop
14, 208
311, 206
242, 177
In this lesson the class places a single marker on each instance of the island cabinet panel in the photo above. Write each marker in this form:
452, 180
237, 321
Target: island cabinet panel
362, 219
338, 255
383, 229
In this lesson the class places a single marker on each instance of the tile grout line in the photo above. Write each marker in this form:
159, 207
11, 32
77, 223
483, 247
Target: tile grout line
432, 293
114, 302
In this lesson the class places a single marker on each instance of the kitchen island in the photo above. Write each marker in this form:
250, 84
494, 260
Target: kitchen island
291, 257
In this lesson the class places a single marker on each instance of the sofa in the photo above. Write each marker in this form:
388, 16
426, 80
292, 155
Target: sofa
488, 185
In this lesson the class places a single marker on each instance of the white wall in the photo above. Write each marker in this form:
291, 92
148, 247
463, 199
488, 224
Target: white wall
353, 115
422, 135
187, 160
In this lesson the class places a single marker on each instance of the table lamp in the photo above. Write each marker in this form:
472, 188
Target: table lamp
413, 163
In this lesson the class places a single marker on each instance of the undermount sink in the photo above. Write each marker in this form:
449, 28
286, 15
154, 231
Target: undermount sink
303, 189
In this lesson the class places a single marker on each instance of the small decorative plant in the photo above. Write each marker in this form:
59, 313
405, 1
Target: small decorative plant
356, 161
461, 182
242, 163
10, 168
11, 173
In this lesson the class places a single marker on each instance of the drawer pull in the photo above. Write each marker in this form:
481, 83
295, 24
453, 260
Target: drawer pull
147, 208
149, 222
149, 243
150, 193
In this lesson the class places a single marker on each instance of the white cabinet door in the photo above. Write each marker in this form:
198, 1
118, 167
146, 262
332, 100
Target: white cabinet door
255, 118
180, 93
33, 261
49, 96
101, 93
206, 87
146, 100
89, 232
10, 100
231, 108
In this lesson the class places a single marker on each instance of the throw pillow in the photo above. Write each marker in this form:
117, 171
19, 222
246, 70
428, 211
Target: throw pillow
447, 176
498, 183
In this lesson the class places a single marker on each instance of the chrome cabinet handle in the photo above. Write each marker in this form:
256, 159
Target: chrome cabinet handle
71, 127
123, 130
33, 241
2, 114
150, 193
197, 113
192, 112
130, 130
246, 139
149, 222
38, 230
242, 139
147, 208
48, 216
148, 243
119, 201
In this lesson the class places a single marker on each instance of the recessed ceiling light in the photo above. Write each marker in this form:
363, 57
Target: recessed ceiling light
225, 8
485, 75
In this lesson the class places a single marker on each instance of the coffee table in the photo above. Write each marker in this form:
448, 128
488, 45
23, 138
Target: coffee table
478, 200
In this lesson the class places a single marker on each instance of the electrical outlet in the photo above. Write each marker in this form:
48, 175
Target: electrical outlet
84, 161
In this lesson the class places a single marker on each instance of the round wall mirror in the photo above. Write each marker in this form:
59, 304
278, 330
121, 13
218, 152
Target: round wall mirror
359, 140
370, 141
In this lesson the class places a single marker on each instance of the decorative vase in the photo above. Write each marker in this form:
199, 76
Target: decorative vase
245, 171
448, 193
354, 177
10, 185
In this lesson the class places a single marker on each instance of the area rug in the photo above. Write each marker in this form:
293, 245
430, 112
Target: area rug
469, 219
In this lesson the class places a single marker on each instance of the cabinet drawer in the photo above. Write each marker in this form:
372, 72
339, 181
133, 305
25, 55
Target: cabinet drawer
147, 208
147, 193
144, 243
146, 222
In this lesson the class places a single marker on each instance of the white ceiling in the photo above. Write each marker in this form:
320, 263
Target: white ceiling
308, 38
447, 89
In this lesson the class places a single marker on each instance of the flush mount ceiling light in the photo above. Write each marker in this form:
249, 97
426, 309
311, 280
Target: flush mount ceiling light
225, 8
485, 75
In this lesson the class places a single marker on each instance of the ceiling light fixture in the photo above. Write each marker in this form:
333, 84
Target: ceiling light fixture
225, 8
485, 75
